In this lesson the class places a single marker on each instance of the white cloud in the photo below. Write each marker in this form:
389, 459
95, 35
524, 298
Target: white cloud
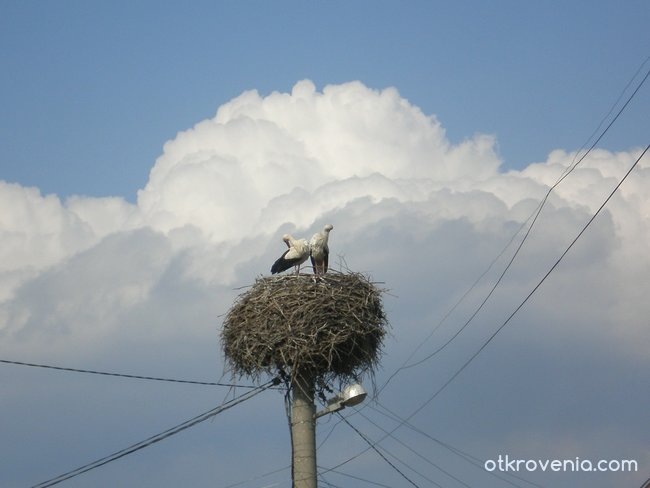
104, 278
104, 215
221, 174
36, 230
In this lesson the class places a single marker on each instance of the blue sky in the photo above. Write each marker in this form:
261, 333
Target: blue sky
153, 154
95, 89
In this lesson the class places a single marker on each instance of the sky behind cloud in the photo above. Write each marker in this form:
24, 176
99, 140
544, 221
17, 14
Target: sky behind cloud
151, 169
96, 90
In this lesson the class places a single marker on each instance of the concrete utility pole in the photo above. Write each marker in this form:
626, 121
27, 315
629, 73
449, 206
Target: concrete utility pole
314, 329
303, 432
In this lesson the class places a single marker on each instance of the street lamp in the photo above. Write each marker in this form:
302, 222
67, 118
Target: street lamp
350, 396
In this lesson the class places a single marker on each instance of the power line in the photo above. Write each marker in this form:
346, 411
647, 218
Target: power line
265, 475
155, 438
370, 482
405, 364
373, 445
611, 110
535, 288
454, 450
121, 375
534, 217
427, 460
396, 418
323, 480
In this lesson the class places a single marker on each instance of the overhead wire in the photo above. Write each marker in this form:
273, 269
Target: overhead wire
122, 375
358, 478
611, 110
359, 412
323, 480
155, 438
532, 292
373, 445
424, 458
534, 215
458, 452
405, 364
259, 477
546, 275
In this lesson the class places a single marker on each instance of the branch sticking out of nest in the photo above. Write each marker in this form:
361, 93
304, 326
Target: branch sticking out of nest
327, 327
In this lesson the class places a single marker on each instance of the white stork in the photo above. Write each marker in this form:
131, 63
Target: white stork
320, 250
297, 254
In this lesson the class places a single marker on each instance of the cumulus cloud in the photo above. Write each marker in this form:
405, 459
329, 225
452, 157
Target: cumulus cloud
91, 276
221, 174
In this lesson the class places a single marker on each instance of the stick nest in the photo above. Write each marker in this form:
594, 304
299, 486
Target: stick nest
329, 326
